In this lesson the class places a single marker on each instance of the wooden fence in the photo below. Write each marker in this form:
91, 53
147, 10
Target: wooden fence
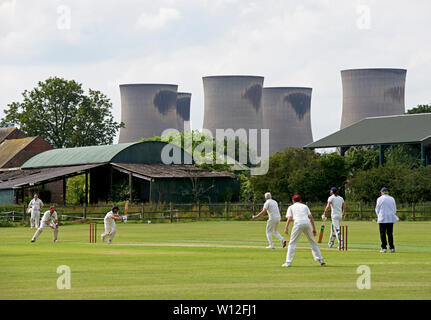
174, 212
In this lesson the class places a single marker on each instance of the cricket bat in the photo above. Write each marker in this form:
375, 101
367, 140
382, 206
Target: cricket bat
126, 207
322, 228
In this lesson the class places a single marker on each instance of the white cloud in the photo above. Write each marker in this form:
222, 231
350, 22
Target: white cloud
164, 17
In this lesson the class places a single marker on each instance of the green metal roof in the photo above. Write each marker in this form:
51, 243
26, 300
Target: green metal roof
403, 129
136, 152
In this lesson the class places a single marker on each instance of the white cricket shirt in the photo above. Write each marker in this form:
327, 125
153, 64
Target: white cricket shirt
36, 205
299, 213
109, 218
271, 207
336, 206
47, 217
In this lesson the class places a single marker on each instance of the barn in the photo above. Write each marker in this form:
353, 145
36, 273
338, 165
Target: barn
140, 168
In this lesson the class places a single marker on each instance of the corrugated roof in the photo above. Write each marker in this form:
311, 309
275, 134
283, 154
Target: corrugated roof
10, 148
75, 156
18, 178
170, 171
403, 129
4, 132
136, 152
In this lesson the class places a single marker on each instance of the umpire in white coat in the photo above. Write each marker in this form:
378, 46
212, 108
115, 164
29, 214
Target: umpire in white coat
386, 210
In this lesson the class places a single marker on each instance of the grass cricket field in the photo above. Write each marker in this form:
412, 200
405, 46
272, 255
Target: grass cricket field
211, 260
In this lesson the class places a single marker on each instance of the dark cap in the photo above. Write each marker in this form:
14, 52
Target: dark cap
115, 207
384, 190
333, 190
296, 198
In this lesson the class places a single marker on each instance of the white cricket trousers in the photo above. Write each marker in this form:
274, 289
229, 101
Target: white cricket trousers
297, 230
35, 219
335, 230
43, 226
111, 230
272, 229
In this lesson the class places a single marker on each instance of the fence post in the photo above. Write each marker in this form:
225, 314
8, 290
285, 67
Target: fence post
142, 211
170, 212
413, 211
360, 210
85, 210
24, 215
226, 210
254, 209
199, 210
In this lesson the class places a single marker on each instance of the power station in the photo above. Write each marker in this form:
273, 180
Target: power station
372, 93
183, 111
233, 102
287, 115
147, 110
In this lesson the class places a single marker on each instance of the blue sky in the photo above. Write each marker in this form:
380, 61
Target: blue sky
103, 44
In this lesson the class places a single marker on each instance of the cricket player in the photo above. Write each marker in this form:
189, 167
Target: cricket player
338, 210
271, 207
386, 210
49, 219
303, 223
35, 206
110, 226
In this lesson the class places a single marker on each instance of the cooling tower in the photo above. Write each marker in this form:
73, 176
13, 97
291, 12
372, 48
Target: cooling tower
233, 102
286, 113
372, 93
183, 111
147, 110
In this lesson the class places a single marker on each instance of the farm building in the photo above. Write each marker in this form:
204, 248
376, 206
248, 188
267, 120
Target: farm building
15, 149
382, 132
136, 168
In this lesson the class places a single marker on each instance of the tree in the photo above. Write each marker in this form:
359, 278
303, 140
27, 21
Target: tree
422, 108
360, 158
60, 112
198, 141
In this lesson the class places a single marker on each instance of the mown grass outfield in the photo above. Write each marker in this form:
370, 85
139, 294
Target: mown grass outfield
211, 260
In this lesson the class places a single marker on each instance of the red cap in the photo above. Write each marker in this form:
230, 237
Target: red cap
51, 208
296, 198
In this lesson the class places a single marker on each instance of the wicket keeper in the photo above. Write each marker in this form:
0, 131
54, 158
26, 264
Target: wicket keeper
49, 219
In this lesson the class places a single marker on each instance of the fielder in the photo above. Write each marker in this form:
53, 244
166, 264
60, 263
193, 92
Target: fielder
49, 219
271, 207
110, 226
303, 223
338, 209
35, 206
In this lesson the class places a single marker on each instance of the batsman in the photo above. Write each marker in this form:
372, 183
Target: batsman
338, 210
110, 226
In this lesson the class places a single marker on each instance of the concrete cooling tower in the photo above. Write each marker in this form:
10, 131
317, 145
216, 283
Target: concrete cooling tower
372, 93
183, 111
147, 110
286, 113
233, 102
